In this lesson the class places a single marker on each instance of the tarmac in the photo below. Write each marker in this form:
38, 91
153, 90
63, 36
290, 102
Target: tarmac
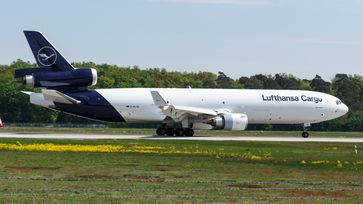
199, 138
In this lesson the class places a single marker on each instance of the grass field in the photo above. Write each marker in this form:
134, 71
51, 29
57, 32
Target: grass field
147, 171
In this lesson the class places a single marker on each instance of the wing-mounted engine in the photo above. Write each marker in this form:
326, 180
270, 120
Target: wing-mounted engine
49, 78
230, 121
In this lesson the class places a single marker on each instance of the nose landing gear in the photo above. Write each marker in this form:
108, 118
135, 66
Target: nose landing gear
305, 133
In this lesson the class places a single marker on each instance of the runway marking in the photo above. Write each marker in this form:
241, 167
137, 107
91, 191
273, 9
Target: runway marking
200, 138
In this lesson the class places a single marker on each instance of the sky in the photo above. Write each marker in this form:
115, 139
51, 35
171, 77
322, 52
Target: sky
237, 37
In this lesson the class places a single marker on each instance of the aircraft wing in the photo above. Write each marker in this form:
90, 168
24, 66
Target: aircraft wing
178, 113
179, 110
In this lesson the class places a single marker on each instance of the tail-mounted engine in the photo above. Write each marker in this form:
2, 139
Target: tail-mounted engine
49, 78
232, 121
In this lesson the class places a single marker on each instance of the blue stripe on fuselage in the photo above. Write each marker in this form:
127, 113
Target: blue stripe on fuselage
93, 106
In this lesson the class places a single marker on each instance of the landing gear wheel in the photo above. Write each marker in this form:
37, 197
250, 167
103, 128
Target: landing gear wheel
188, 132
305, 134
170, 131
161, 131
179, 132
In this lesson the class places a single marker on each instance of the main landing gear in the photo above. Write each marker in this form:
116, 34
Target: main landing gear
174, 131
305, 133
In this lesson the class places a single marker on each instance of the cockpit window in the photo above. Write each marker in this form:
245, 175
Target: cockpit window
339, 102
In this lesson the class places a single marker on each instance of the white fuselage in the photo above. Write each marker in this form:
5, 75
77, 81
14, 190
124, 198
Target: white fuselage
261, 106
66, 89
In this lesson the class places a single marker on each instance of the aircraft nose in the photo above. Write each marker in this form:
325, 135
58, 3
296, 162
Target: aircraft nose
344, 109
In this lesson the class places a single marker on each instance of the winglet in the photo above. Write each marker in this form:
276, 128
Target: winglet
158, 100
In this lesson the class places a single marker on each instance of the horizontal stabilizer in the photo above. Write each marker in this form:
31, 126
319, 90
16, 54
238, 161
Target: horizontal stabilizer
27, 92
56, 96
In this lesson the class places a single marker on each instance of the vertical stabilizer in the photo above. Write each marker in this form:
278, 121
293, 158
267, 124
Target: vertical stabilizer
45, 53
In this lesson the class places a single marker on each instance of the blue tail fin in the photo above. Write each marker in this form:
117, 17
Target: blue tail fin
45, 53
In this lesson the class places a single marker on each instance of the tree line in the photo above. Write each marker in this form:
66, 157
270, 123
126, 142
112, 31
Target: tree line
15, 106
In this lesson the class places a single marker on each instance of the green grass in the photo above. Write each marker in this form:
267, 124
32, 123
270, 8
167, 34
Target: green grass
145, 131
74, 177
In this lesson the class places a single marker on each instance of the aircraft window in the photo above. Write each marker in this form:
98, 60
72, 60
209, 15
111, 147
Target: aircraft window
338, 102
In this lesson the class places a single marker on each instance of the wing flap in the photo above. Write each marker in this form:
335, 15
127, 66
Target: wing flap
194, 110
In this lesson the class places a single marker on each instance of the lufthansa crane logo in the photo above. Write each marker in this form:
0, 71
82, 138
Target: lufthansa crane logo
47, 56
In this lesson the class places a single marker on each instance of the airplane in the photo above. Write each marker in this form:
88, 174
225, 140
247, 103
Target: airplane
180, 111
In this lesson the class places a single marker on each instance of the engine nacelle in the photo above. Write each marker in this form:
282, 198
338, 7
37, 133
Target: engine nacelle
38, 77
232, 121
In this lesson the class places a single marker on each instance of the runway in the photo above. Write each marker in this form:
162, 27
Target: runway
200, 138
